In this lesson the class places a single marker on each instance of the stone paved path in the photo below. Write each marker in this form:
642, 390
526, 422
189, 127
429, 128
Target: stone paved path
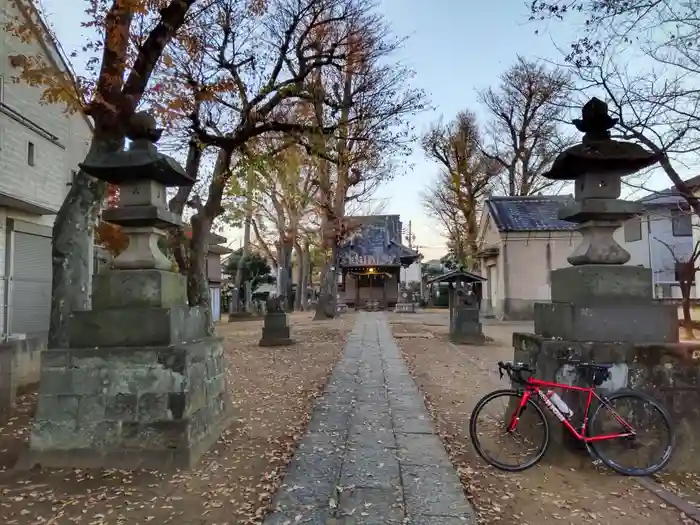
371, 455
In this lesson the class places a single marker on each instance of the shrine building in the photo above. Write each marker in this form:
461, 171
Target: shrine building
370, 260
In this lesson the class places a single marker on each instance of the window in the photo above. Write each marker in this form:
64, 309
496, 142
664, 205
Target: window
684, 269
30, 153
633, 229
681, 223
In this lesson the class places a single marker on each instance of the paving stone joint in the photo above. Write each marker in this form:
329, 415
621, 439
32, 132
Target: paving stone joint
371, 455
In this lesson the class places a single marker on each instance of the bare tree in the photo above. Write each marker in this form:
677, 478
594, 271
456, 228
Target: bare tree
466, 177
523, 133
243, 73
286, 191
659, 111
686, 267
368, 103
125, 42
641, 57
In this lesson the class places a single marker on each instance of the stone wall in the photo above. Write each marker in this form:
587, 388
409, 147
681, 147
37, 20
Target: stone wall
8, 388
140, 407
27, 359
670, 373
20, 362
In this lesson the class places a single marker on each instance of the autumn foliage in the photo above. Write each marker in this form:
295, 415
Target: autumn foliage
107, 235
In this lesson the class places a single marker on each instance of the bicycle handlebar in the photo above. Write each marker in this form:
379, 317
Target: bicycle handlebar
514, 370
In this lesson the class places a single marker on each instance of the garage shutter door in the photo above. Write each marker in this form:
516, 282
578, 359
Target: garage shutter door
31, 284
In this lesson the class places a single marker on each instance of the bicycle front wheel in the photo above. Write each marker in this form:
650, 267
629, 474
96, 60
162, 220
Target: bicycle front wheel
515, 450
643, 454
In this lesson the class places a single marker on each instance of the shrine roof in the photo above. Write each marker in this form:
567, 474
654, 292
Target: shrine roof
531, 213
457, 275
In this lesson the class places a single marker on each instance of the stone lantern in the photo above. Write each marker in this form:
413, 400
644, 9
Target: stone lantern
599, 298
602, 310
141, 384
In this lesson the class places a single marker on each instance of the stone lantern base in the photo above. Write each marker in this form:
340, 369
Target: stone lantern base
465, 327
141, 385
275, 330
606, 314
669, 372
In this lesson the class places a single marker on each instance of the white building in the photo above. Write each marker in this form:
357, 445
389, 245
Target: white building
657, 238
40, 148
412, 273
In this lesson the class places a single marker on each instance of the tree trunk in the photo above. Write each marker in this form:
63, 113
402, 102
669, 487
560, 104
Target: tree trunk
687, 319
236, 297
197, 282
306, 277
284, 274
71, 240
178, 240
301, 268
325, 308
685, 286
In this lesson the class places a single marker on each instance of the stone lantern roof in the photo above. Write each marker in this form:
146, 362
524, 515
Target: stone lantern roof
598, 153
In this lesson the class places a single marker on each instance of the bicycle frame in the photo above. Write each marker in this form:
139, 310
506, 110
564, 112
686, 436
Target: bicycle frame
535, 386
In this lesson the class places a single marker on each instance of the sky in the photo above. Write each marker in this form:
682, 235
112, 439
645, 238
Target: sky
454, 46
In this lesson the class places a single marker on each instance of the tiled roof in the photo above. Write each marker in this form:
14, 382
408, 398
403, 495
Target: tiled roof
534, 213
457, 275
693, 183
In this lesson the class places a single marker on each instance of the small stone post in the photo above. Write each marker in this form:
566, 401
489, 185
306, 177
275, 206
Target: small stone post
465, 327
601, 309
405, 304
275, 330
141, 384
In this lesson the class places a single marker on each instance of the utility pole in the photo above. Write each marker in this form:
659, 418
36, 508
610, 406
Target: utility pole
410, 236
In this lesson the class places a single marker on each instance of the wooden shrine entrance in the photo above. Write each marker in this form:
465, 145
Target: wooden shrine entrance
370, 284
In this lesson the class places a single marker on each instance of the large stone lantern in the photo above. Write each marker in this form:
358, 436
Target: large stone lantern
602, 310
597, 166
141, 384
599, 298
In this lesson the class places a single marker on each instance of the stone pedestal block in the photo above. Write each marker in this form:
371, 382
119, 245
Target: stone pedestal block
8, 385
596, 284
141, 386
634, 323
153, 407
138, 288
341, 308
275, 330
465, 327
136, 326
669, 372
405, 308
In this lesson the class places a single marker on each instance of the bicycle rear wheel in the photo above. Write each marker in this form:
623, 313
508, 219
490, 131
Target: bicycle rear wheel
651, 424
490, 420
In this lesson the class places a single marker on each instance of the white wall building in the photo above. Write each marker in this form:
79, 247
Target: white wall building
40, 148
659, 237
412, 274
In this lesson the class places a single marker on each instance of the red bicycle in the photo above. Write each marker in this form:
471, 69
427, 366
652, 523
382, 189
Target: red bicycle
626, 428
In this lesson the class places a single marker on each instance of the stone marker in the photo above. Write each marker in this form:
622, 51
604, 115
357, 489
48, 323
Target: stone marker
404, 305
465, 327
341, 307
141, 384
275, 330
600, 309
